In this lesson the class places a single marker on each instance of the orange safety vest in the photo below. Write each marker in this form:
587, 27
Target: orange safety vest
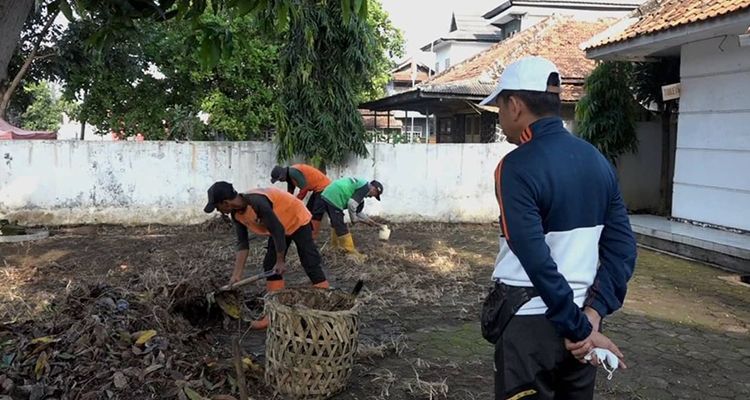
316, 180
290, 211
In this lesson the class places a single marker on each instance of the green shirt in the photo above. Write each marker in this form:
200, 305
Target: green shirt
341, 190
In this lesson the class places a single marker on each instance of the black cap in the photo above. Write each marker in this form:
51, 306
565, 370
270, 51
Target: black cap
277, 173
379, 186
217, 193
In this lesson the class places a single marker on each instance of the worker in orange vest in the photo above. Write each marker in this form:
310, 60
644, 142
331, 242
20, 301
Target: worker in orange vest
280, 216
308, 179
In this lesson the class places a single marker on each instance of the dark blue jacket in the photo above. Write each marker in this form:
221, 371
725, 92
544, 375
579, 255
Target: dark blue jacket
566, 229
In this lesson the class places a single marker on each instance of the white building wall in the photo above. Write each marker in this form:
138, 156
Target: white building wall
712, 182
441, 53
74, 182
457, 52
464, 50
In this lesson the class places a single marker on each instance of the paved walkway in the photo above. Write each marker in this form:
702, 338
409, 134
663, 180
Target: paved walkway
714, 239
729, 249
684, 332
671, 361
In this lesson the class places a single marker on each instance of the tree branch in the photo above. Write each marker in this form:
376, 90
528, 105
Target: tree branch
8, 94
44, 56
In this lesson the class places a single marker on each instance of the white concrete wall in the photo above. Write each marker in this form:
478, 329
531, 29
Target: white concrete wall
640, 173
74, 182
711, 182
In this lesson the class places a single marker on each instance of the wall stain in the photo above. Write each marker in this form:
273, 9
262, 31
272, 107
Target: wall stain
193, 157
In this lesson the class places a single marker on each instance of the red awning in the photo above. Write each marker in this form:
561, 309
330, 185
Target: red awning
10, 132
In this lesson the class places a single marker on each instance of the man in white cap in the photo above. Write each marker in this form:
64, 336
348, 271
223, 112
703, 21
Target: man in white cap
566, 251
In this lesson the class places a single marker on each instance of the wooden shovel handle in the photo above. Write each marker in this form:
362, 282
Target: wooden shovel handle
246, 281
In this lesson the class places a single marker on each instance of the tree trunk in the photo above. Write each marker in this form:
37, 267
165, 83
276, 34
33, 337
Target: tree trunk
13, 14
25, 67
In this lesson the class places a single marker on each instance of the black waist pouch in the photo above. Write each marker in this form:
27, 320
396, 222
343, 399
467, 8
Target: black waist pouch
500, 306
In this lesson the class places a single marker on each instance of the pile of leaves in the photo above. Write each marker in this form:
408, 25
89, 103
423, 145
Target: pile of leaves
105, 342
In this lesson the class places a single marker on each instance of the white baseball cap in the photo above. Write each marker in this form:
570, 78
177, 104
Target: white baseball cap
530, 74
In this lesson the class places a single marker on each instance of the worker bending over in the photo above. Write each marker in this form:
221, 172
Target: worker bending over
348, 194
307, 179
280, 216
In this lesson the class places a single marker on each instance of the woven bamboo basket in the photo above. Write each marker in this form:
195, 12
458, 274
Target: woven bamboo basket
311, 342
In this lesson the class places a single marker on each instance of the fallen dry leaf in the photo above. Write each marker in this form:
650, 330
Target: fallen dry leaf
120, 380
41, 365
250, 364
192, 394
44, 340
144, 336
153, 368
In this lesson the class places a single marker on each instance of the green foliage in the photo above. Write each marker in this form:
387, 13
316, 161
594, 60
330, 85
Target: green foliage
299, 70
239, 92
115, 92
118, 16
606, 113
389, 43
119, 91
327, 61
45, 111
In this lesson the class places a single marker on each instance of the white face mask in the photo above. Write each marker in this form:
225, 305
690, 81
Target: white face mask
607, 360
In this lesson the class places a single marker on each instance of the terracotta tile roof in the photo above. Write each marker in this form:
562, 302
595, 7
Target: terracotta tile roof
405, 76
556, 38
402, 72
660, 15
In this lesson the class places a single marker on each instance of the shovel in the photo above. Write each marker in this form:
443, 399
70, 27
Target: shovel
226, 298
246, 281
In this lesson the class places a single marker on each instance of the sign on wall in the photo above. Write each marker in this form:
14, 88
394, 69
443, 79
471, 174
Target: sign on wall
670, 92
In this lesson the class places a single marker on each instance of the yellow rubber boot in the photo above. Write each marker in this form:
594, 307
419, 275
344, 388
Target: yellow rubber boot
347, 243
262, 323
334, 240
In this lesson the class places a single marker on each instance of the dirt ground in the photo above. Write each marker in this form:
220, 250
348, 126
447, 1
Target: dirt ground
74, 306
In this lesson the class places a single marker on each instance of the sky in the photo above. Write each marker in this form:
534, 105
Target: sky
423, 21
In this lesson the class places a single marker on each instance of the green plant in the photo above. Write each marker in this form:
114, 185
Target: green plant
45, 111
327, 61
606, 113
